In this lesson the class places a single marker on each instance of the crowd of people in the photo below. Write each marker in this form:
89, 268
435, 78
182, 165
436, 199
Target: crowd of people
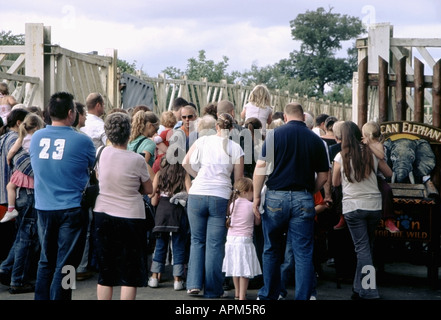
241, 200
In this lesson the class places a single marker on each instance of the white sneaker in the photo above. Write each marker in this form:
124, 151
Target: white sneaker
153, 283
312, 298
9, 216
179, 285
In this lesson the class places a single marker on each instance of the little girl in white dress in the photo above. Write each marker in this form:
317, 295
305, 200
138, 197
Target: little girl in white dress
240, 261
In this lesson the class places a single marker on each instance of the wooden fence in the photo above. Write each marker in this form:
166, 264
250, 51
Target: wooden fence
400, 82
40, 69
202, 92
390, 84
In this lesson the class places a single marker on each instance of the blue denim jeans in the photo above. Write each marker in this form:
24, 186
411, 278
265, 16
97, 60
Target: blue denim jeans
206, 215
362, 225
62, 236
22, 259
179, 249
287, 269
293, 211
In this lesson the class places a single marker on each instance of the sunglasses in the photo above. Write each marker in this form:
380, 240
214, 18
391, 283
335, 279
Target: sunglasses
190, 116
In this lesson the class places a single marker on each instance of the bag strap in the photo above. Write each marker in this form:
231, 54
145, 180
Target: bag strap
94, 165
98, 155
138, 144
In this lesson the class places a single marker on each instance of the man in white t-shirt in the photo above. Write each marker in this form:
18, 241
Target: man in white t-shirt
94, 126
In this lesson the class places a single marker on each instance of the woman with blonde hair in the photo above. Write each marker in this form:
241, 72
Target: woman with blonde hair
145, 124
258, 106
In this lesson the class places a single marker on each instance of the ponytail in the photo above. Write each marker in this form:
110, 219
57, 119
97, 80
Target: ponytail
231, 202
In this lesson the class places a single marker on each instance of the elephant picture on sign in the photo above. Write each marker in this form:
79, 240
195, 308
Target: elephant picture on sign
412, 161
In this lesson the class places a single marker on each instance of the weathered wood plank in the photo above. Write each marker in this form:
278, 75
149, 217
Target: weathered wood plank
12, 49
418, 112
19, 77
415, 42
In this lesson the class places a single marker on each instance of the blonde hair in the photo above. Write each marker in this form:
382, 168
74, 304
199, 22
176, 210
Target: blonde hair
336, 128
241, 186
168, 119
31, 123
372, 130
276, 123
139, 122
206, 124
260, 96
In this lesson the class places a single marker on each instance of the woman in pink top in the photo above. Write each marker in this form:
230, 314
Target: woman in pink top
258, 106
240, 261
119, 213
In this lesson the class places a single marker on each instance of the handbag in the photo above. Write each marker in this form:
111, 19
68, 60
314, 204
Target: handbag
149, 215
92, 189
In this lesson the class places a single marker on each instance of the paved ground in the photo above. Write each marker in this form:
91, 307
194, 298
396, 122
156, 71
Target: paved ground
401, 281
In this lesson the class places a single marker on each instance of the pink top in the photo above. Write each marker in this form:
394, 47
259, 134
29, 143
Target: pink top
120, 173
242, 219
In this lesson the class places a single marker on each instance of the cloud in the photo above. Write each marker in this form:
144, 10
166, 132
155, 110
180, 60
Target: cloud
158, 34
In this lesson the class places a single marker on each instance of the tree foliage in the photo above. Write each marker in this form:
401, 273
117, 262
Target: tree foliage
321, 34
126, 67
9, 39
202, 68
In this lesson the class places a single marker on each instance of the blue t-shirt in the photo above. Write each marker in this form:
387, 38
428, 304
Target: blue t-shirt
60, 158
297, 155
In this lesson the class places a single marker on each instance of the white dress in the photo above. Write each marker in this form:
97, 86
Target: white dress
240, 258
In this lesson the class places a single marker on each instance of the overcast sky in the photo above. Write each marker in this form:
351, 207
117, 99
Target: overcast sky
160, 33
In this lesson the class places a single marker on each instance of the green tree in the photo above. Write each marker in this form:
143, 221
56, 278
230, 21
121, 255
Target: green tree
201, 67
322, 33
173, 73
9, 39
126, 67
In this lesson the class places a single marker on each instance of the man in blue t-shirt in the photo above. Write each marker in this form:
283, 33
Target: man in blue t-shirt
60, 158
294, 160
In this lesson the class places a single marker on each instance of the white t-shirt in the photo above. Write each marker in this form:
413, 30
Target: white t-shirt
362, 195
94, 128
217, 157
252, 111
120, 174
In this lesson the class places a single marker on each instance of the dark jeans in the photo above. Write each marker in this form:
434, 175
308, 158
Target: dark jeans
22, 258
62, 236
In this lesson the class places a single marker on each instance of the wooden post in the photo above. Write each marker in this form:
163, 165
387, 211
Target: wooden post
400, 90
436, 93
34, 60
112, 80
418, 111
383, 89
362, 92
